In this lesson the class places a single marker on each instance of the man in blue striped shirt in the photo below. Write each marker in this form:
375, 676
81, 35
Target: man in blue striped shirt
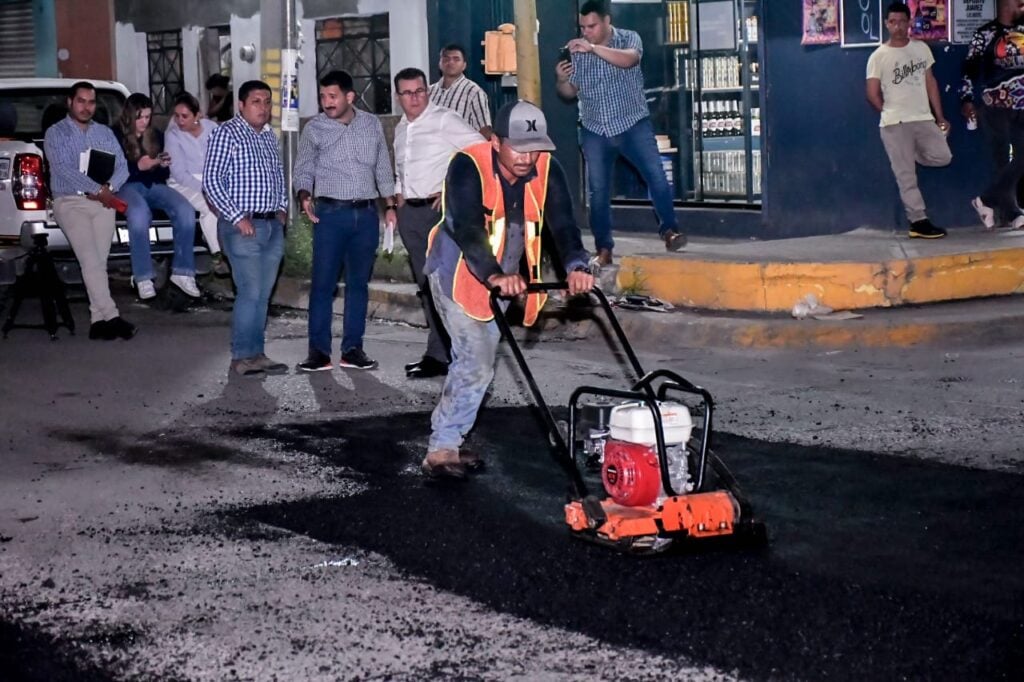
342, 167
84, 208
604, 72
244, 181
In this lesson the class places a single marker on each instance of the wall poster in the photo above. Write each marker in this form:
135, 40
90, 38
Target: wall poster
821, 22
968, 16
860, 23
929, 19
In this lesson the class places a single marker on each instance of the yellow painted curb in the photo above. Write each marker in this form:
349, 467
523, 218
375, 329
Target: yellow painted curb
775, 287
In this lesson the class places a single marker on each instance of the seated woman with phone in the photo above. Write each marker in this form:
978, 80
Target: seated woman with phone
146, 189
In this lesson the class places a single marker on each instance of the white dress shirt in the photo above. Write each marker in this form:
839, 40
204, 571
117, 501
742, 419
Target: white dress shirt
423, 148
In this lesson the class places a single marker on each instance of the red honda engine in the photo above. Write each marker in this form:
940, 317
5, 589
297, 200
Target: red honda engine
630, 473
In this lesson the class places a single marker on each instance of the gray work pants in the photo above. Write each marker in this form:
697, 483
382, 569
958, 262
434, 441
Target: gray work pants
909, 144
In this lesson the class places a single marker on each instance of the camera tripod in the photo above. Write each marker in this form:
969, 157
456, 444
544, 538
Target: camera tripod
40, 278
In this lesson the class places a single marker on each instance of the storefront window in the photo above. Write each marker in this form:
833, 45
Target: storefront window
702, 73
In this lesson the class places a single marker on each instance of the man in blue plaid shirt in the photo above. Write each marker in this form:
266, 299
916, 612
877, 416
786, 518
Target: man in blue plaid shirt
604, 72
244, 181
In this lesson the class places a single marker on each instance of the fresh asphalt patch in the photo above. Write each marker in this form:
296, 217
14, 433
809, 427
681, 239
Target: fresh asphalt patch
876, 567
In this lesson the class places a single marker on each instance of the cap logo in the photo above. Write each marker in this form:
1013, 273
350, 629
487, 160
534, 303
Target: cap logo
531, 125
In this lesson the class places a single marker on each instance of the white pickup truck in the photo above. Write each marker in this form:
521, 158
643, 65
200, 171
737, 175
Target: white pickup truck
28, 106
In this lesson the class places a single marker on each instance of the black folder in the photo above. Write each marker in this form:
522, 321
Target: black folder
98, 165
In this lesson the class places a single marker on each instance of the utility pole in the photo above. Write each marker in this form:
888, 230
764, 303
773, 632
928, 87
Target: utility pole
527, 56
278, 44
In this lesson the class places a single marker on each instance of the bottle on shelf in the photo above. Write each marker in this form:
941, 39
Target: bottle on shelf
750, 28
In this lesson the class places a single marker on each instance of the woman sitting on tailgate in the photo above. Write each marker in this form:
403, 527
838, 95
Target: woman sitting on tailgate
146, 189
188, 134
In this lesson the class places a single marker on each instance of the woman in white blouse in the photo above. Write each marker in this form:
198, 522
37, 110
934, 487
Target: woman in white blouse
186, 139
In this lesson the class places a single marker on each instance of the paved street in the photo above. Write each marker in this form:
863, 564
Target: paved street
160, 520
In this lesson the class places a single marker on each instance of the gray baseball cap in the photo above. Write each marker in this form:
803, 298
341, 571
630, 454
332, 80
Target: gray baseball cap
523, 126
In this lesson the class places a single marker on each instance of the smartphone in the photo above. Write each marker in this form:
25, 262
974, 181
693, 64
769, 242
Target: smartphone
564, 55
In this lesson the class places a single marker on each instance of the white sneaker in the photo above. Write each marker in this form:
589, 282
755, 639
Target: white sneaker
186, 283
985, 214
1018, 223
146, 289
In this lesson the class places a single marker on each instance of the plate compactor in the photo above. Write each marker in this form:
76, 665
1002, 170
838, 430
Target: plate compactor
662, 480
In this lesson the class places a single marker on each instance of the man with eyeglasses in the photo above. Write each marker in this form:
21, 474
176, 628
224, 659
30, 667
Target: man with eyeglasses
458, 93
425, 140
343, 162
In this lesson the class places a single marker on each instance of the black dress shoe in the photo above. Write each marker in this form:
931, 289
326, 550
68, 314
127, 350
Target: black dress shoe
426, 368
101, 330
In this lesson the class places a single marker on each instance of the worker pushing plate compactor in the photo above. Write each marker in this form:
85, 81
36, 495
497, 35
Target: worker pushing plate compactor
662, 480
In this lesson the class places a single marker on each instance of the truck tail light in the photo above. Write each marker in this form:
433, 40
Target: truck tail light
29, 185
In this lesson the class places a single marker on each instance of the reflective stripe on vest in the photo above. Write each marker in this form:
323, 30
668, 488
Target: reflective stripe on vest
470, 293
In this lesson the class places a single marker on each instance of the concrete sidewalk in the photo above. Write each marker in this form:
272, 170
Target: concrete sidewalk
855, 270
739, 293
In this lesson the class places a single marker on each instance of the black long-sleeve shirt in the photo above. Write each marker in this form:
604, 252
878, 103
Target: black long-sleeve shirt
155, 175
995, 64
463, 228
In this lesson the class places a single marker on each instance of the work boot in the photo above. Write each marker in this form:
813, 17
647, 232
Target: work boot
443, 463
270, 366
246, 367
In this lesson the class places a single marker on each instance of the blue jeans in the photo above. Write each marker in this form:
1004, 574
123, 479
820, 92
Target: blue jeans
254, 264
344, 238
640, 148
474, 345
141, 200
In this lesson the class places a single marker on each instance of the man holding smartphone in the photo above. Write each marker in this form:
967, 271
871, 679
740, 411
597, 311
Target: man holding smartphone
603, 71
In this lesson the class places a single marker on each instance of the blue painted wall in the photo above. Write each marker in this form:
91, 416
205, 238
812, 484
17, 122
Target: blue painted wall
827, 171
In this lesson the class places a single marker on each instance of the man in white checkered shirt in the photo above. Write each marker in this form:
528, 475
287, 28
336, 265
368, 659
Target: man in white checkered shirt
460, 94
604, 73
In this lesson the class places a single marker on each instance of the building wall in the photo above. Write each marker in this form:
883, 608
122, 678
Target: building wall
407, 23
827, 171
134, 18
85, 38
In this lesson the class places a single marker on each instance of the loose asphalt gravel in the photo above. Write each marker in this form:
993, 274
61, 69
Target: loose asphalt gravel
159, 520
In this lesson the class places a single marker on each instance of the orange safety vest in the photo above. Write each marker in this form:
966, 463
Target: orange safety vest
472, 295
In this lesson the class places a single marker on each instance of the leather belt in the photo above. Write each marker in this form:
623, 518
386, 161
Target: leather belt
345, 203
269, 215
417, 203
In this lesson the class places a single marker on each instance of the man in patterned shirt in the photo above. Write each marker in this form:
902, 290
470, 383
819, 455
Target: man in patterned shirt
244, 181
342, 167
604, 72
995, 64
460, 94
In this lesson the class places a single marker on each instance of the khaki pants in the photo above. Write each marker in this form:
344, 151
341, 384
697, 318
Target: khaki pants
909, 144
89, 228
